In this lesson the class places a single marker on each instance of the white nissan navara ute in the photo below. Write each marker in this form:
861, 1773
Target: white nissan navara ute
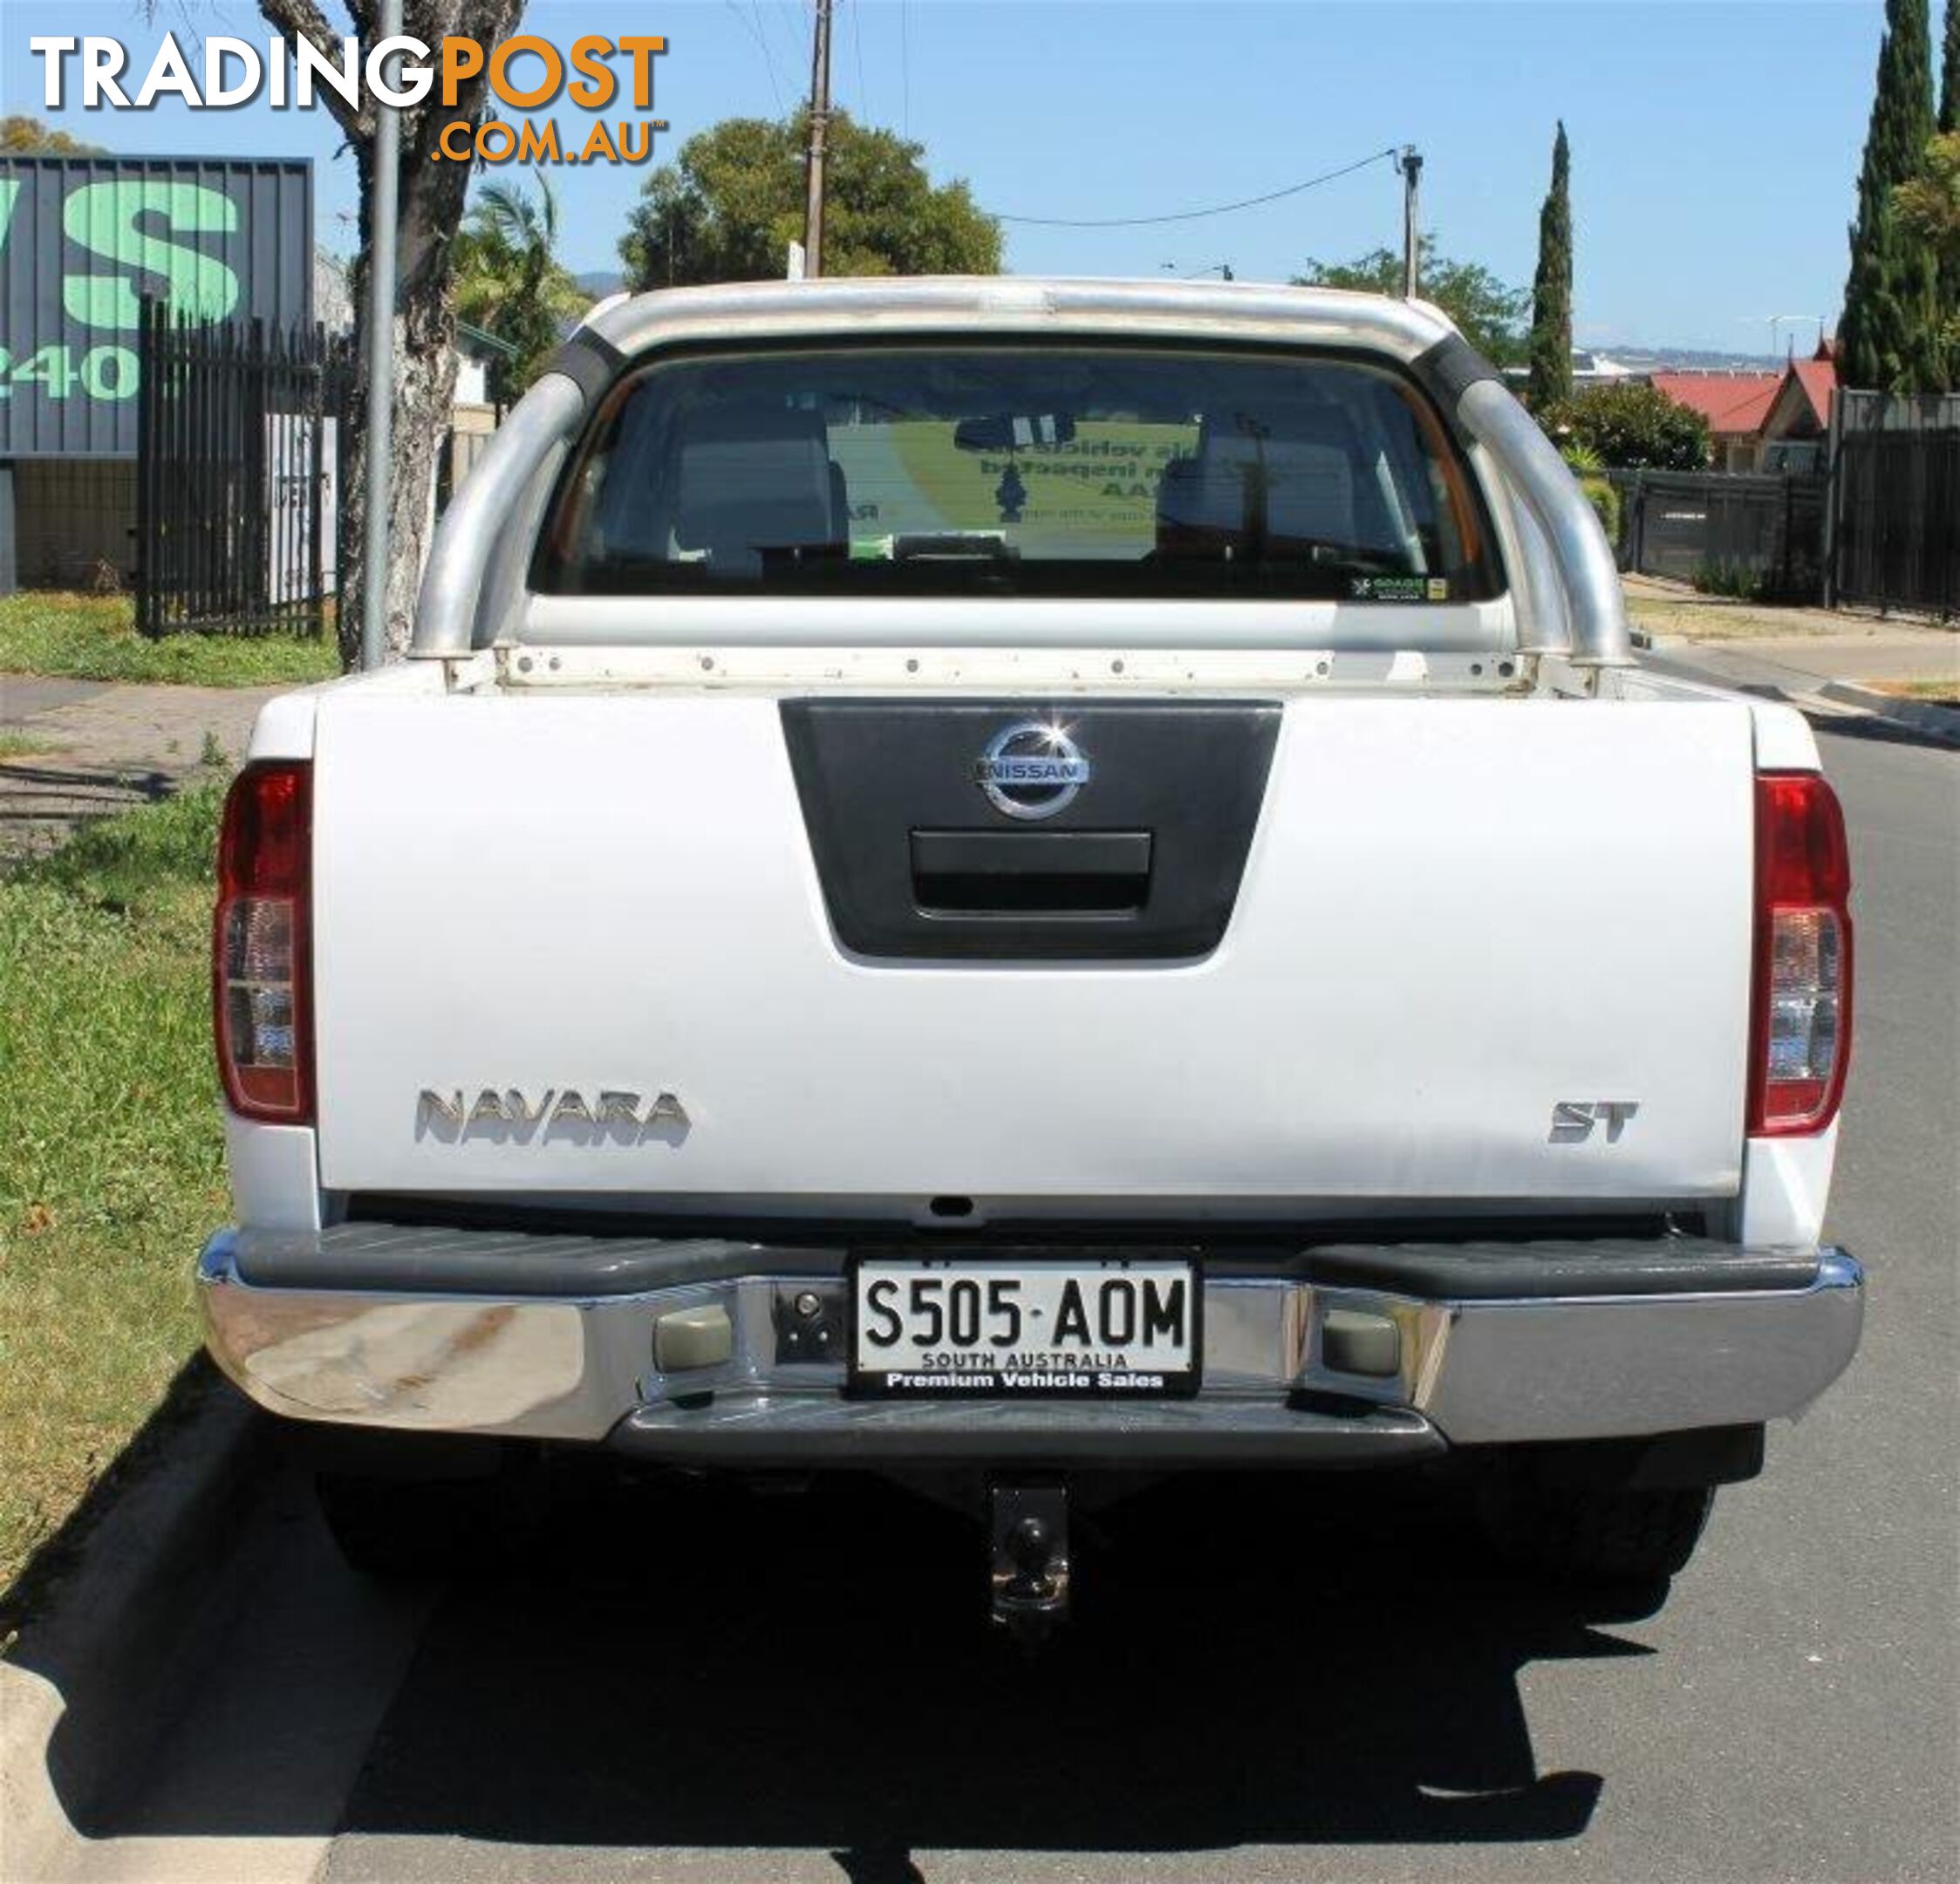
1013, 883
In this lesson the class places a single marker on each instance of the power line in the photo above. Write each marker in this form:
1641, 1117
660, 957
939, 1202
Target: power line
858, 41
905, 58
1192, 216
755, 33
796, 24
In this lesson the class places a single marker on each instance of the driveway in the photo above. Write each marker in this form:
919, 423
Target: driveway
72, 751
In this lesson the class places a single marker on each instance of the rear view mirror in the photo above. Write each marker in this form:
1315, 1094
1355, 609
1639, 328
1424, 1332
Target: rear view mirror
1004, 432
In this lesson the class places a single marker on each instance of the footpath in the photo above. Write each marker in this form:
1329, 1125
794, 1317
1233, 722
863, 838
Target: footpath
1905, 672
73, 751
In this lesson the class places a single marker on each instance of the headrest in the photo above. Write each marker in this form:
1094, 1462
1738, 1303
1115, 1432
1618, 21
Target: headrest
1308, 453
1313, 424
754, 476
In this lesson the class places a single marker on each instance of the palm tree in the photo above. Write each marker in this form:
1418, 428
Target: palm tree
508, 280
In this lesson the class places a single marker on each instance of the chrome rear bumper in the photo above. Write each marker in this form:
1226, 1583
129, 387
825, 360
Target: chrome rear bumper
418, 1340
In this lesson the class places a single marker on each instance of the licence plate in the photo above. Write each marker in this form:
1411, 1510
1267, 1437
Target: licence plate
1008, 1329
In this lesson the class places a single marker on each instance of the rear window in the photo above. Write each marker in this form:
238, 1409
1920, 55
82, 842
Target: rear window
1013, 470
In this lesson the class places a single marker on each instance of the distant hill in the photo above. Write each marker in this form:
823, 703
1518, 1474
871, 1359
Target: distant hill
600, 283
1646, 360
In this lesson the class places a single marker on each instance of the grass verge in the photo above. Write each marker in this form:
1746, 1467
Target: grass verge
1940, 692
94, 637
1698, 620
111, 1150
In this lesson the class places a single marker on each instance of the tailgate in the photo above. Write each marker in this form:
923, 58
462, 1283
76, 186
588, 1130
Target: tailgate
1385, 942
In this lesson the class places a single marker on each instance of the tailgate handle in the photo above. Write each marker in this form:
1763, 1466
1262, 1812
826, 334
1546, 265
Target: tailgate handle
1030, 873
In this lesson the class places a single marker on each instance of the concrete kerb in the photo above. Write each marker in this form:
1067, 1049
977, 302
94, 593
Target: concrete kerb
91, 1681
1927, 717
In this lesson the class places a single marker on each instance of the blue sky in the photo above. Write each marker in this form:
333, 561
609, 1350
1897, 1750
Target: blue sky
1715, 146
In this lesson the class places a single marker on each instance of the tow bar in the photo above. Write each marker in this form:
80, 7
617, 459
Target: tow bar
1030, 1530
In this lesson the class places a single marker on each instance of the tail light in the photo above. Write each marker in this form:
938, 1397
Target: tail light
1801, 1037
260, 970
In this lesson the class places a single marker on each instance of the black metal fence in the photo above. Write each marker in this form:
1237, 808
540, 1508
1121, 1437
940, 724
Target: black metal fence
238, 476
1760, 537
1895, 502
238, 460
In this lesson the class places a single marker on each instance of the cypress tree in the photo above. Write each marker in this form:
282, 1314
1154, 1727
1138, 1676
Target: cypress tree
1949, 72
1551, 303
1948, 311
1890, 332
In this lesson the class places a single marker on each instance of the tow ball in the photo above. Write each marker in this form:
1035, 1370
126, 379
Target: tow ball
1029, 1525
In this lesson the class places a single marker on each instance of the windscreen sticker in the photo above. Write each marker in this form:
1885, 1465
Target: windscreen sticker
1399, 589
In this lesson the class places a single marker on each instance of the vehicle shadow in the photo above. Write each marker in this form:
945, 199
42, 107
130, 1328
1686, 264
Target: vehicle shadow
107, 788
680, 1663
1255, 1662
1877, 732
42, 802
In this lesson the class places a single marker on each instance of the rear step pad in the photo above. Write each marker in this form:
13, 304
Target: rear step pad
767, 1429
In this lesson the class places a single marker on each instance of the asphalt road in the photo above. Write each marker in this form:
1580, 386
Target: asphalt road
1312, 1680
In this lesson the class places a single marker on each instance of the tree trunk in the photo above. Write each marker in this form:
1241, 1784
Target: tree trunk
425, 377
433, 189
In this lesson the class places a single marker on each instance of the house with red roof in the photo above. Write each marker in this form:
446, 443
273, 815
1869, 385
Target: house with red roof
1735, 406
1797, 424
1763, 421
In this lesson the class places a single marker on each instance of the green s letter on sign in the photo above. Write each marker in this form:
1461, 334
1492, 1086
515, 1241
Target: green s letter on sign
102, 218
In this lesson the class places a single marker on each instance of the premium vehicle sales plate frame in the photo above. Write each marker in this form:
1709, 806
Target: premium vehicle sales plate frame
1069, 1326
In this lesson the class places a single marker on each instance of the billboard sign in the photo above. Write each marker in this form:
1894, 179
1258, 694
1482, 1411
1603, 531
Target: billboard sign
84, 239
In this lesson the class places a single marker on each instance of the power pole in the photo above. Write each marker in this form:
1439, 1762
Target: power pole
1409, 163
819, 123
